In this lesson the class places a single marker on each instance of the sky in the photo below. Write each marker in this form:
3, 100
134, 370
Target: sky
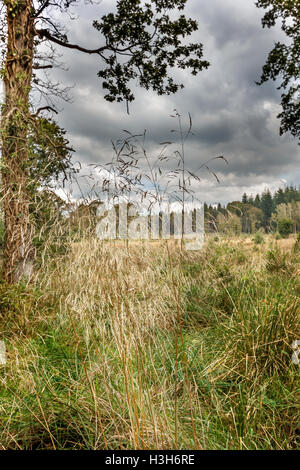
231, 115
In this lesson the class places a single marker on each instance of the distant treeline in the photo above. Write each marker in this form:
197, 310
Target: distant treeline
278, 212
270, 212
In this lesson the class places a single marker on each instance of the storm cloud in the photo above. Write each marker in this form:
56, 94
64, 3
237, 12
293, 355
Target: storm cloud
231, 115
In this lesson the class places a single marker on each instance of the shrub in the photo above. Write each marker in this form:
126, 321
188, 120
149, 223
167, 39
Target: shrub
277, 236
258, 238
285, 227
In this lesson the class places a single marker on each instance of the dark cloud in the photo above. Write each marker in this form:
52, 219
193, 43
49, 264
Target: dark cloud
231, 115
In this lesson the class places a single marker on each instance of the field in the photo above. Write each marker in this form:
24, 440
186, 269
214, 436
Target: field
146, 346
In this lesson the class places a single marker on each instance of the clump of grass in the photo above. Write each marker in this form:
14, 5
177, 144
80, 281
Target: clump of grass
276, 260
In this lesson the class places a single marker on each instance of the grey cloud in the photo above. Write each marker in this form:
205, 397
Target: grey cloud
231, 115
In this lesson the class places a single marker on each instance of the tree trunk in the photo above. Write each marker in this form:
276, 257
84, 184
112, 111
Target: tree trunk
18, 251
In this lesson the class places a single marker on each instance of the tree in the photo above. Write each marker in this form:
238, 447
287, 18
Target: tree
49, 162
285, 227
49, 154
229, 224
267, 206
257, 201
255, 217
251, 218
290, 211
284, 60
279, 197
245, 198
139, 41
49, 159
251, 200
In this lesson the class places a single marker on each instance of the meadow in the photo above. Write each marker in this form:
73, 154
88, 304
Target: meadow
147, 346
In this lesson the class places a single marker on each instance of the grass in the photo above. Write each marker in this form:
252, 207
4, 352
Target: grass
145, 347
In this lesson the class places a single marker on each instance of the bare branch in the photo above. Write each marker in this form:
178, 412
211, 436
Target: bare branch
42, 67
44, 108
45, 5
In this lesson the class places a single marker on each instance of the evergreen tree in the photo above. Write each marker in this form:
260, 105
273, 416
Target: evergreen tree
267, 206
257, 201
279, 197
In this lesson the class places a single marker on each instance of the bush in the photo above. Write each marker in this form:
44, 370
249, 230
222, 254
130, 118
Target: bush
277, 236
285, 227
258, 238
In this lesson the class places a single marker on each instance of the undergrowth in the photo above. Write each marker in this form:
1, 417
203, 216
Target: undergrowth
145, 347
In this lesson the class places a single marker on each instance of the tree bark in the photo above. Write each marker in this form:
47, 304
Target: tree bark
18, 250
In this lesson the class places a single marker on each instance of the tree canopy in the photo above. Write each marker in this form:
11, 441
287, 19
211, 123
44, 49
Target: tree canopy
138, 41
283, 62
49, 153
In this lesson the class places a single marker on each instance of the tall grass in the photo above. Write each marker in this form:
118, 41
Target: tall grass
143, 346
